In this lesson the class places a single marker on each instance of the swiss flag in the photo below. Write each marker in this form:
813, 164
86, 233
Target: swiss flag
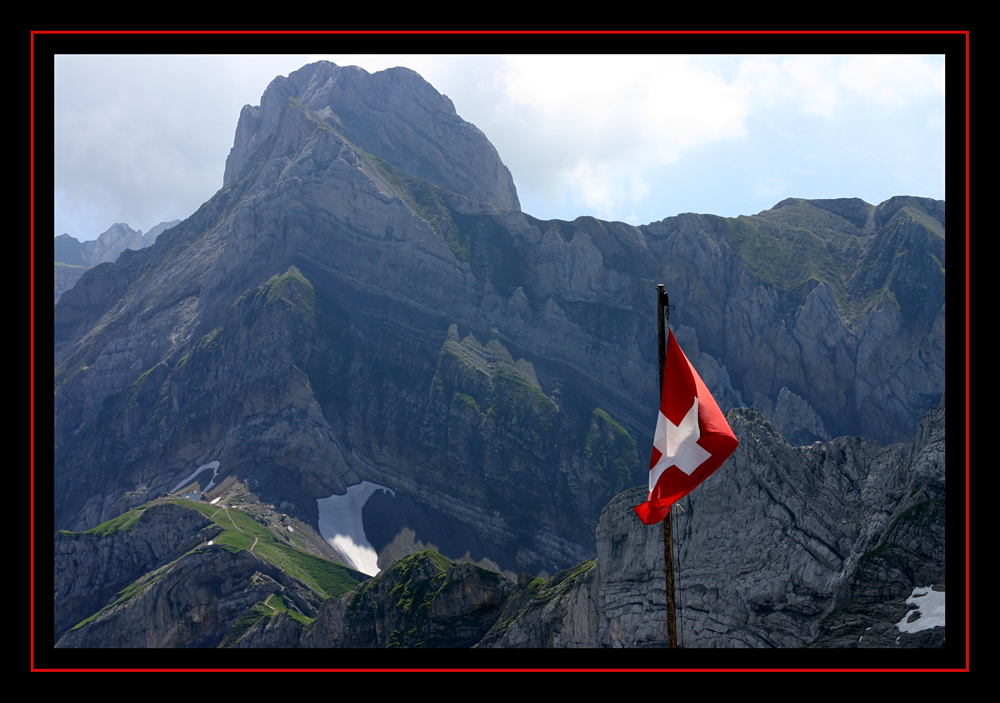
692, 436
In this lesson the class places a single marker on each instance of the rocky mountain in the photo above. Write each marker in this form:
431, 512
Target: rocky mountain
183, 573
364, 301
822, 545
73, 257
828, 545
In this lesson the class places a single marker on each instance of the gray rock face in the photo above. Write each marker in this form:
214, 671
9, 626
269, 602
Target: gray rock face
786, 546
193, 603
422, 601
395, 115
561, 612
799, 422
630, 561
885, 584
111, 243
90, 568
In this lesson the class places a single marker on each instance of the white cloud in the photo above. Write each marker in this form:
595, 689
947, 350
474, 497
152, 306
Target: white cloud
658, 107
598, 124
595, 130
603, 190
581, 134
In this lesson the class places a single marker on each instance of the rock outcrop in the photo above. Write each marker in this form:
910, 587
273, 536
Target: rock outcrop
92, 566
561, 612
786, 546
423, 600
179, 574
196, 602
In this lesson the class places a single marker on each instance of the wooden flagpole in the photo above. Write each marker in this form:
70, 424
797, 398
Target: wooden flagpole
663, 305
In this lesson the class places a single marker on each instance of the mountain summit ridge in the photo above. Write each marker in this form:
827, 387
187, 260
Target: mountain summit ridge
393, 114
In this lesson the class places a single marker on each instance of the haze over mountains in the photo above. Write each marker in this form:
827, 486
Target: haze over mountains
73, 257
364, 300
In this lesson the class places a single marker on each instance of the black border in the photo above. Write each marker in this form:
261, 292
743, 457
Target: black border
954, 44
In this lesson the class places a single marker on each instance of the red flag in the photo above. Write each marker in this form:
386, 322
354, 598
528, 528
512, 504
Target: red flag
692, 437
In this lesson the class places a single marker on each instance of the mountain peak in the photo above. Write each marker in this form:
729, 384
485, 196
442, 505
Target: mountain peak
393, 114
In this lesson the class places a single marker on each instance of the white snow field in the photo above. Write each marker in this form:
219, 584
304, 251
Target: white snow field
340, 525
214, 465
930, 603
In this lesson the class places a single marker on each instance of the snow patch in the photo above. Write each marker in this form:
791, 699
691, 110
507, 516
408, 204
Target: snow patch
340, 525
930, 607
214, 465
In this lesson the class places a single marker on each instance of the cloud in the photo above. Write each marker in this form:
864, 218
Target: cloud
597, 131
598, 125
604, 191
144, 139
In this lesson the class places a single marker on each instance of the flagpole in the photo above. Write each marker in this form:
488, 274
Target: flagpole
663, 305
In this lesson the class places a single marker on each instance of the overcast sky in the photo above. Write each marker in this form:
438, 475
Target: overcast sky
635, 138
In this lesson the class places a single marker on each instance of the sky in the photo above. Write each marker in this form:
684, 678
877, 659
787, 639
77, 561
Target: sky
142, 139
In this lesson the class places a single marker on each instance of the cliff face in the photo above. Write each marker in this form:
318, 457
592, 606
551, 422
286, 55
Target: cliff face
394, 115
787, 546
364, 301
422, 601
194, 603
91, 567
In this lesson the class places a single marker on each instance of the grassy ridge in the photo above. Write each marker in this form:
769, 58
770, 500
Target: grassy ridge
326, 578
122, 523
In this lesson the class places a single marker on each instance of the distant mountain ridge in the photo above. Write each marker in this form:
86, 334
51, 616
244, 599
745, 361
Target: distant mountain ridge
73, 257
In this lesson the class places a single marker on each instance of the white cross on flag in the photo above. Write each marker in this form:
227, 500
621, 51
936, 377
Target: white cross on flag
692, 437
